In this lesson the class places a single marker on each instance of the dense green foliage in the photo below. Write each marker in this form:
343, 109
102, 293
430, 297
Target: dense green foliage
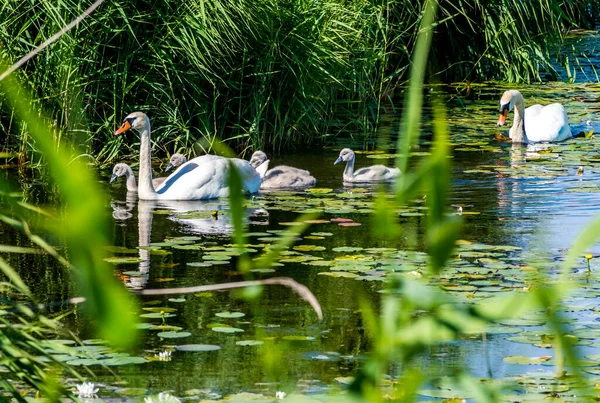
413, 318
266, 74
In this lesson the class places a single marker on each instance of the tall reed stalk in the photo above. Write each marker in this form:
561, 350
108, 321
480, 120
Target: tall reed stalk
259, 73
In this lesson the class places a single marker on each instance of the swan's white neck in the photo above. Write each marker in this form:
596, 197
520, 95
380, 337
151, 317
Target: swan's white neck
517, 131
145, 188
131, 185
349, 170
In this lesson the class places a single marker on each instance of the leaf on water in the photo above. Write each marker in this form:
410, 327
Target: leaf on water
309, 248
145, 326
316, 221
199, 264
173, 335
120, 249
131, 392
230, 314
124, 361
519, 359
216, 257
197, 347
93, 342
156, 315
319, 190
298, 338
349, 224
347, 249
122, 260
341, 219
222, 329
177, 299
166, 328
249, 342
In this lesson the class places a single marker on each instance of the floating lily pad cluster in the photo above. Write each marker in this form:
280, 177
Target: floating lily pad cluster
475, 272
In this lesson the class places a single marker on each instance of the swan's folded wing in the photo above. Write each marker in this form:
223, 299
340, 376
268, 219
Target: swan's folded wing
550, 124
176, 176
375, 173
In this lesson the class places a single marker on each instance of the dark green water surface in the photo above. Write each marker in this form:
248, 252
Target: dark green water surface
511, 196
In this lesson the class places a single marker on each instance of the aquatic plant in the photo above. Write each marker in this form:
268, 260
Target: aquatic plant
86, 390
256, 73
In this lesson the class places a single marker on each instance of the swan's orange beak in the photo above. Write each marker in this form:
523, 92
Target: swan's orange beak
502, 117
124, 127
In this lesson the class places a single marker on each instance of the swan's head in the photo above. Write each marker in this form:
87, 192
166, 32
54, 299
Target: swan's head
176, 160
119, 170
345, 155
257, 159
507, 103
136, 120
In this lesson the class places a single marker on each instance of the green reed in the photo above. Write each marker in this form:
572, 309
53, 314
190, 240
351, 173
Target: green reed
257, 73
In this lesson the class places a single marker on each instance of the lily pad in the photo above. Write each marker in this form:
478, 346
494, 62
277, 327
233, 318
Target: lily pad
122, 260
197, 347
249, 342
519, 359
347, 249
222, 329
173, 335
230, 314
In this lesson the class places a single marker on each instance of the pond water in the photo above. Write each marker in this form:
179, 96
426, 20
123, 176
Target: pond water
521, 208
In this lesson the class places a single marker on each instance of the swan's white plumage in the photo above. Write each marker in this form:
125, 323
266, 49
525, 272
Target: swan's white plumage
203, 177
535, 124
374, 173
282, 176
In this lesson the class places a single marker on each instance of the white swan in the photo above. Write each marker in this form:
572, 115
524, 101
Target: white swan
203, 177
282, 176
374, 173
535, 124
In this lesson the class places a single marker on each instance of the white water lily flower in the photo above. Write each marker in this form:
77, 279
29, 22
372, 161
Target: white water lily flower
86, 389
164, 356
162, 397
279, 395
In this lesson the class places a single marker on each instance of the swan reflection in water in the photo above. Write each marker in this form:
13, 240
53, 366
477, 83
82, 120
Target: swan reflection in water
195, 217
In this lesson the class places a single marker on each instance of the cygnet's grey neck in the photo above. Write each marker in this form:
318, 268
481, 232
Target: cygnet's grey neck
349, 170
131, 184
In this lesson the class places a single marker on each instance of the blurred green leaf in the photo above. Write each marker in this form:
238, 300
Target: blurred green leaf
83, 225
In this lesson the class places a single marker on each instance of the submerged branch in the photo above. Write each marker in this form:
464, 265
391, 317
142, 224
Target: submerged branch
52, 39
298, 288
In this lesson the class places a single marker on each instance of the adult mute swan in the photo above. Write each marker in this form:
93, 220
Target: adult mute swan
282, 176
535, 124
203, 177
125, 170
374, 173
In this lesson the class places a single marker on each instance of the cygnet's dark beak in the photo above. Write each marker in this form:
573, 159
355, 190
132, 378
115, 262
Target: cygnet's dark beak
338, 160
113, 178
169, 167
